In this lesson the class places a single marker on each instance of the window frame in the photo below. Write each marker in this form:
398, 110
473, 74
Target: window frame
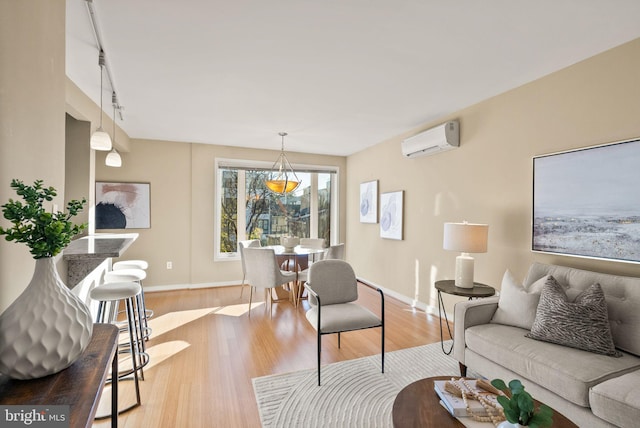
244, 164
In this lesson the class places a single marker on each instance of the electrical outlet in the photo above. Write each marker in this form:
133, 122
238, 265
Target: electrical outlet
169, 265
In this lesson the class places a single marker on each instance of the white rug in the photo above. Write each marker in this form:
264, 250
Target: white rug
353, 393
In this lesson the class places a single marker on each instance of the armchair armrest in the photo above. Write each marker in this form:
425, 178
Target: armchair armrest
467, 314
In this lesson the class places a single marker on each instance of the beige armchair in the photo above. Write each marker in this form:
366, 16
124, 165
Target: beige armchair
333, 289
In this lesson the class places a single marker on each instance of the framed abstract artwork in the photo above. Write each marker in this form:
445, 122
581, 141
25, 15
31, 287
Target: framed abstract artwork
586, 204
123, 205
369, 202
391, 207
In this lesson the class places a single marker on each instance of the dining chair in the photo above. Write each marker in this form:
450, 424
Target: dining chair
333, 290
315, 243
263, 272
335, 252
241, 246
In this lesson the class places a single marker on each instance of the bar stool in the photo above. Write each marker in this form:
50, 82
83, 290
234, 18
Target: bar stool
134, 264
133, 275
113, 293
130, 264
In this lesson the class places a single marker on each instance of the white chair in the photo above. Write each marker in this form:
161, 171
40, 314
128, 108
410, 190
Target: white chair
263, 272
335, 252
333, 289
315, 243
241, 246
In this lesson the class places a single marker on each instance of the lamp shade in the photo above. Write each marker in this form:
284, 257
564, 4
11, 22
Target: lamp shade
466, 237
113, 159
100, 140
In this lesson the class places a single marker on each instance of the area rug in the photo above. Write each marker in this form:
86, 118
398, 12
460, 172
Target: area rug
353, 393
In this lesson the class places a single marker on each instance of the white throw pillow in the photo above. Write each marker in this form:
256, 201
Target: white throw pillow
517, 305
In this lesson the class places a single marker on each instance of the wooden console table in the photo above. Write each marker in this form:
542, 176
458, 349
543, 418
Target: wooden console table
79, 386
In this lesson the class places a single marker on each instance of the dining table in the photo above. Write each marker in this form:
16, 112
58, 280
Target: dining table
294, 259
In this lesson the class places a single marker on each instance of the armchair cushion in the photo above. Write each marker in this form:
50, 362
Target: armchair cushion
342, 317
338, 282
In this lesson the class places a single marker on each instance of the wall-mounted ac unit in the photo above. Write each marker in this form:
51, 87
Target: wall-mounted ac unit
435, 140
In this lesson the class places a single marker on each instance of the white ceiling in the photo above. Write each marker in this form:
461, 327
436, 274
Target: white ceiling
337, 75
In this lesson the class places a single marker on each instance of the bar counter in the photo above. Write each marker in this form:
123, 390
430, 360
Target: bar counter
85, 254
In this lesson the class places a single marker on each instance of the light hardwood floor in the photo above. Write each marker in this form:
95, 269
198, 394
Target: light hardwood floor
205, 350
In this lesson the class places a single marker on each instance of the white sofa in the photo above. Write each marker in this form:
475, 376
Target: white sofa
593, 390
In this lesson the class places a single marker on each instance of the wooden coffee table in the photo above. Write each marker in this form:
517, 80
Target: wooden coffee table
418, 405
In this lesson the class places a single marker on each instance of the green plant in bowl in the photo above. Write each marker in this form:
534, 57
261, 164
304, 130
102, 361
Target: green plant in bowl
519, 407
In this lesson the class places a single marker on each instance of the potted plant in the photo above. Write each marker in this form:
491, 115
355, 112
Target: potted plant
58, 325
519, 407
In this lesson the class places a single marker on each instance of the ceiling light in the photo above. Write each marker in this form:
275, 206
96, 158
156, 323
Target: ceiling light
100, 140
113, 157
282, 179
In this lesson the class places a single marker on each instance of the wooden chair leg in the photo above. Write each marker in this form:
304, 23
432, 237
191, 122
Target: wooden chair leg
242, 286
250, 298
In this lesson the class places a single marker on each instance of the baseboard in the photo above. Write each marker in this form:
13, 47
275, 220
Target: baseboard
173, 287
416, 304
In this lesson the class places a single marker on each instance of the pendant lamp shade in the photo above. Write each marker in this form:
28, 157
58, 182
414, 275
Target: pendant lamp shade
113, 159
100, 140
282, 179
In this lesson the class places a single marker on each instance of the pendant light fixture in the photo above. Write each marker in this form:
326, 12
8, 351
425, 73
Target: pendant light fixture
113, 157
100, 140
282, 179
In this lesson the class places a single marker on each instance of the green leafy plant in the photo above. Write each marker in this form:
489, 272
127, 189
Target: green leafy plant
519, 407
45, 233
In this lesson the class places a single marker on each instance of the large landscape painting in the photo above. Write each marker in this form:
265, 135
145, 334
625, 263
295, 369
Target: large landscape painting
587, 202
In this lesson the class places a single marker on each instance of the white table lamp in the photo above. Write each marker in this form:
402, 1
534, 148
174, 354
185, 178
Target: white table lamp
466, 238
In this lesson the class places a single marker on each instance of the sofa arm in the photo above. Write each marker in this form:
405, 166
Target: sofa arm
467, 314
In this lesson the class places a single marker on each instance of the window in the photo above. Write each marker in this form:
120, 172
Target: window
246, 209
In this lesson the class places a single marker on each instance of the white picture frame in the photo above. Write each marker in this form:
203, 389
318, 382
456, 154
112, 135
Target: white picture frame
369, 202
391, 215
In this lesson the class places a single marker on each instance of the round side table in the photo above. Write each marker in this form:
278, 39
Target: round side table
448, 286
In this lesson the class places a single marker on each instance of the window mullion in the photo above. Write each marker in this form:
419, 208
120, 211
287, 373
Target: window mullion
313, 207
242, 205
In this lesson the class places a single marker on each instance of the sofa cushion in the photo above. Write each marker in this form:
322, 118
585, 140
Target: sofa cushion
618, 400
582, 324
517, 305
565, 371
621, 292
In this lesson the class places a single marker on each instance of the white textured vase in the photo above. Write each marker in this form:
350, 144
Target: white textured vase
45, 329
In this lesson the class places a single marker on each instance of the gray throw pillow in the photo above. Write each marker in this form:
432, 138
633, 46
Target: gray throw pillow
582, 324
517, 305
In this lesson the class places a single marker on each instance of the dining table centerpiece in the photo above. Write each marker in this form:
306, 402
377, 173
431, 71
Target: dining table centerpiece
47, 327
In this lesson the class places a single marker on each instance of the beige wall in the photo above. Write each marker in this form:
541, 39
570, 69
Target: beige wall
32, 116
182, 177
489, 178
